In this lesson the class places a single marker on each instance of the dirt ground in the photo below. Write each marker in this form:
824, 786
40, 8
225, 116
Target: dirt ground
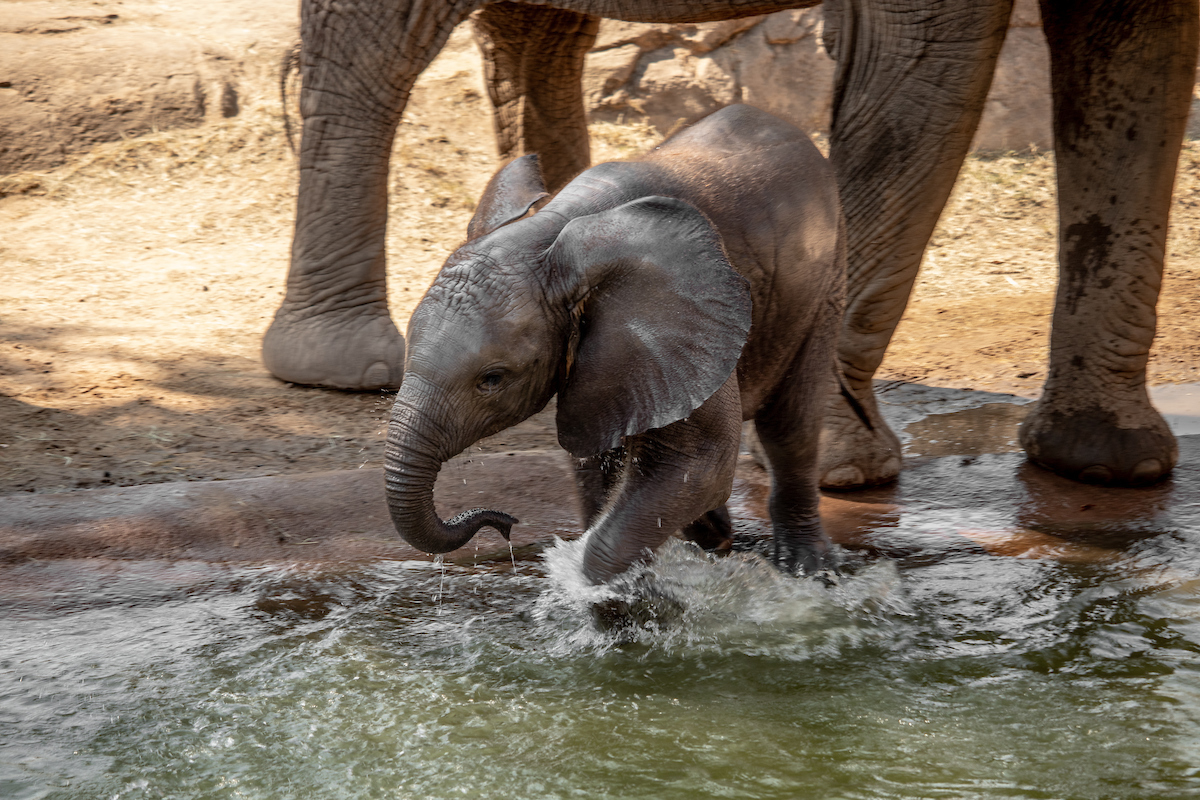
137, 281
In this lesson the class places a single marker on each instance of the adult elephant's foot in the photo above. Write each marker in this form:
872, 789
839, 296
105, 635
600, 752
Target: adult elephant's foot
858, 449
1095, 445
360, 351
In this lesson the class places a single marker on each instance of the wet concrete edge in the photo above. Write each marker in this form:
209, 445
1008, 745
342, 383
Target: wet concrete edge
342, 516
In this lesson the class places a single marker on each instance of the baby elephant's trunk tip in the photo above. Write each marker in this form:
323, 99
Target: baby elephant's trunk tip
478, 518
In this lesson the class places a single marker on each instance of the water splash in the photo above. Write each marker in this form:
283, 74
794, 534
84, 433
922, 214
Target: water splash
685, 598
439, 563
301, 677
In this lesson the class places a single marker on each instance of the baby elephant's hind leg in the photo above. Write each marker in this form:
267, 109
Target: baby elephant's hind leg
789, 428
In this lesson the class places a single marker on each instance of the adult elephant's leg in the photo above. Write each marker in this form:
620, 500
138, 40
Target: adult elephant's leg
911, 81
533, 60
1122, 76
359, 61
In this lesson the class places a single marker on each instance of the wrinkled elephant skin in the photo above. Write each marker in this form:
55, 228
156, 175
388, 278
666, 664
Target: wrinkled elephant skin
664, 301
912, 77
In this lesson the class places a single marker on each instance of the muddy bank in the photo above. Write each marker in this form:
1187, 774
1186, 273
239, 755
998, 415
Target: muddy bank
990, 501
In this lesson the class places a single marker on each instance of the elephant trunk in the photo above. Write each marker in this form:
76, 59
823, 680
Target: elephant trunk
411, 469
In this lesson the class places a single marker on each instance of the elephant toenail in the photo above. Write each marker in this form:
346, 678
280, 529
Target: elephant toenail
376, 375
1147, 471
1097, 473
843, 477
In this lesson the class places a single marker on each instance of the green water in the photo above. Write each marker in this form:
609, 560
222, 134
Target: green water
961, 676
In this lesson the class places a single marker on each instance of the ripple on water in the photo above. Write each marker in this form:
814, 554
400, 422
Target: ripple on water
965, 676
687, 600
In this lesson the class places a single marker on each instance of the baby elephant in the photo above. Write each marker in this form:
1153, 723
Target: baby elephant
664, 300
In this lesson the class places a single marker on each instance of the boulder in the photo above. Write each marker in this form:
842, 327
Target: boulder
671, 75
1017, 114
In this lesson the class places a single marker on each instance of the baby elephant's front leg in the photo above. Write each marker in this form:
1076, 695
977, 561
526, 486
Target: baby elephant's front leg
671, 476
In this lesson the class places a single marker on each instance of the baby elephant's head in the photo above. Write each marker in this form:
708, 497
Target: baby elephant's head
632, 315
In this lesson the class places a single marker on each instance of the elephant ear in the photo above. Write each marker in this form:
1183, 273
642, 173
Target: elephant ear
509, 195
662, 320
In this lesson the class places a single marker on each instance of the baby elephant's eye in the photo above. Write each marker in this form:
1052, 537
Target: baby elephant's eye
491, 381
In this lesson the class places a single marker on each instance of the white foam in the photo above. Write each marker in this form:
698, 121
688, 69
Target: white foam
686, 598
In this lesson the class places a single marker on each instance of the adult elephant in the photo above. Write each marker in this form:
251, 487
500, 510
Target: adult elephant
912, 77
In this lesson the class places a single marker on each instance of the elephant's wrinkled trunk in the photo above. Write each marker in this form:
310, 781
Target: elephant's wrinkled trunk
412, 466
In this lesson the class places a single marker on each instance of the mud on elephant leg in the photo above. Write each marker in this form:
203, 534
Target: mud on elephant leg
1122, 82
533, 62
595, 479
910, 88
358, 64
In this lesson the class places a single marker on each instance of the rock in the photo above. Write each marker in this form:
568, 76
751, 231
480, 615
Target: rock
782, 67
615, 33
674, 74
708, 37
607, 71
675, 88
1018, 111
1026, 14
789, 27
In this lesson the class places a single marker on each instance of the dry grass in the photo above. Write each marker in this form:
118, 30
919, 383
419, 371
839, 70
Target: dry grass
997, 233
231, 179
612, 141
980, 310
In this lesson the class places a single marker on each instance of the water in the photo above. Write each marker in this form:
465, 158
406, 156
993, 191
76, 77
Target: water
936, 420
998, 633
940, 674
1180, 406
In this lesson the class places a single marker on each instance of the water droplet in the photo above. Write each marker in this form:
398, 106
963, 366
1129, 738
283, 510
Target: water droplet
440, 562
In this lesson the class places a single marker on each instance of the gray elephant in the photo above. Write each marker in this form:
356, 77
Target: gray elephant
664, 300
912, 77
